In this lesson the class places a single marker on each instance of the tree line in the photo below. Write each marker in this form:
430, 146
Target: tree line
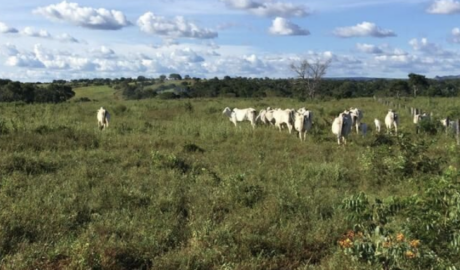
11, 91
301, 87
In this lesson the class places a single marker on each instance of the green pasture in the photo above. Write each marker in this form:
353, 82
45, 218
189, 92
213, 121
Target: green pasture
100, 93
174, 185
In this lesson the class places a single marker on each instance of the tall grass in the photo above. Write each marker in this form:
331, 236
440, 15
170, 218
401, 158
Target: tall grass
174, 185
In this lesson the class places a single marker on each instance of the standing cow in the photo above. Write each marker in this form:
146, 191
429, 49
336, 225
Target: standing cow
303, 123
342, 127
392, 121
239, 115
284, 117
103, 118
356, 117
378, 125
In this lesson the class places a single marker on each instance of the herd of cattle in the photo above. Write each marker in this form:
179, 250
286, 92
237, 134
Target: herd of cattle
302, 120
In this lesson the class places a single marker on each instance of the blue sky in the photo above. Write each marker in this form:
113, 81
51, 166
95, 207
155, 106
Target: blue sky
42, 40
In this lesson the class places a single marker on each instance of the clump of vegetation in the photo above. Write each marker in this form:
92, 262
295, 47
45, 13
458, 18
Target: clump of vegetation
192, 148
3, 127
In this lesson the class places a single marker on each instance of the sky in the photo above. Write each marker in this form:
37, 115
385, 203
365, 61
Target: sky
45, 40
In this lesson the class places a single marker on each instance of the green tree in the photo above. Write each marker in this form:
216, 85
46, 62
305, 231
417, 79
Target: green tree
175, 76
417, 82
399, 88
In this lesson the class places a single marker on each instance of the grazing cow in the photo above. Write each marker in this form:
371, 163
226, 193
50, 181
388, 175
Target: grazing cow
378, 125
103, 118
356, 117
284, 117
342, 127
239, 115
303, 123
391, 120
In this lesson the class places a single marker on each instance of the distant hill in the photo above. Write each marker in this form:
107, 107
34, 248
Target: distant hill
449, 77
356, 78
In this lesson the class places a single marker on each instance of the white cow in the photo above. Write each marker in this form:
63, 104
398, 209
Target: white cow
269, 117
378, 125
342, 127
356, 117
284, 117
239, 115
103, 118
392, 121
418, 118
262, 115
449, 124
303, 123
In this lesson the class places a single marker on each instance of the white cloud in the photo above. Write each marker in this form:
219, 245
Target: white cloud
279, 9
178, 27
186, 55
8, 50
456, 35
67, 38
268, 9
103, 52
87, 17
363, 29
283, 27
429, 48
368, 48
23, 60
31, 32
5, 29
444, 7
241, 4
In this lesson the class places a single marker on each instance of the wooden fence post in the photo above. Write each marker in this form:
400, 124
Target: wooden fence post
458, 131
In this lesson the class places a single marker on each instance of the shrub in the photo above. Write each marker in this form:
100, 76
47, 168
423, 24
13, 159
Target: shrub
168, 95
120, 109
190, 147
3, 128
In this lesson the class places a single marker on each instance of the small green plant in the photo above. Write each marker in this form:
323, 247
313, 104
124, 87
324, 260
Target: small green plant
188, 106
3, 127
381, 228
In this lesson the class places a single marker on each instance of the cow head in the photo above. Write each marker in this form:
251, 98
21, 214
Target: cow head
227, 111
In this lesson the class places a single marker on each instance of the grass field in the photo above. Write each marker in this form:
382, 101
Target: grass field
100, 93
174, 185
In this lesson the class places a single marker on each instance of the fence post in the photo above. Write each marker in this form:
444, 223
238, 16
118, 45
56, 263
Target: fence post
458, 132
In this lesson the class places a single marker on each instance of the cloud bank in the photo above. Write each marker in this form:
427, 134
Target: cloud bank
86, 17
363, 29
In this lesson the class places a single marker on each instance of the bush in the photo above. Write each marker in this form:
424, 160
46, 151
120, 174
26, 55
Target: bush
168, 95
3, 128
120, 109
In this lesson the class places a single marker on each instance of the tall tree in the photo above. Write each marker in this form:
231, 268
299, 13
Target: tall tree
417, 82
399, 87
175, 76
310, 74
